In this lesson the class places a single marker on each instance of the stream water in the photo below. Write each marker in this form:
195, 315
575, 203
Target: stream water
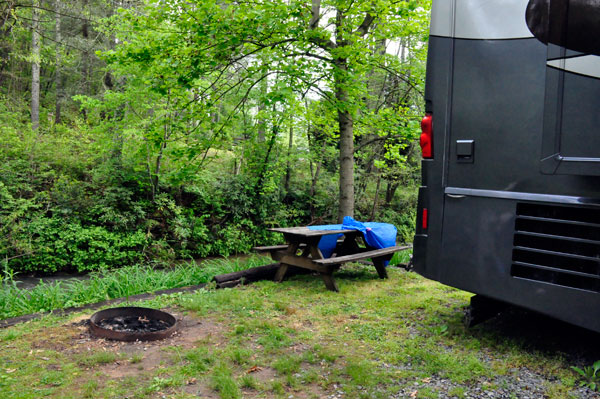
30, 281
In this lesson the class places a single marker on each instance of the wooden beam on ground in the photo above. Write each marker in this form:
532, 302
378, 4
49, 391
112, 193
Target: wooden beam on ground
254, 274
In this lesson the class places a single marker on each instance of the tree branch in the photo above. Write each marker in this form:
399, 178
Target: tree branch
363, 29
307, 54
367, 143
316, 14
314, 24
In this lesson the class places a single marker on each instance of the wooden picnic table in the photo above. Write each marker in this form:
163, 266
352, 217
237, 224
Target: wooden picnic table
302, 250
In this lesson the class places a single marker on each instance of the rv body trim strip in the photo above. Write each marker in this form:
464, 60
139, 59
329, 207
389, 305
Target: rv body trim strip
513, 195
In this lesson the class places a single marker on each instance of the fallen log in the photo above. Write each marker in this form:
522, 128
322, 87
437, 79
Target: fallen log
254, 274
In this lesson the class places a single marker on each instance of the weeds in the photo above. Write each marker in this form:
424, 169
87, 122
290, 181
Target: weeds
224, 383
240, 355
90, 388
119, 283
277, 387
199, 360
287, 365
159, 383
136, 358
248, 381
589, 375
97, 359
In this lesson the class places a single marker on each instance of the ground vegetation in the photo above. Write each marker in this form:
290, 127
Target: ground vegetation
396, 338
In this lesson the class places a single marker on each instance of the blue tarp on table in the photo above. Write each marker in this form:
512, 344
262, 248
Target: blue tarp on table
376, 235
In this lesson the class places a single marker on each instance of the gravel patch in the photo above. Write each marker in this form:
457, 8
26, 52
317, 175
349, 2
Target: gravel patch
523, 384
531, 332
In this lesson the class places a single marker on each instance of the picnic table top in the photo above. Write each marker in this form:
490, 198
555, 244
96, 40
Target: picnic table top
304, 231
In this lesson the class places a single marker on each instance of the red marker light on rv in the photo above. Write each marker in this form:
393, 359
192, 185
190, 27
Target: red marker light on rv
424, 220
427, 136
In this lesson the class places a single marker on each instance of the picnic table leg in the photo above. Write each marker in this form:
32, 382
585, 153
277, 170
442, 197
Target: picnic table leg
283, 268
380, 267
280, 274
330, 282
315, 253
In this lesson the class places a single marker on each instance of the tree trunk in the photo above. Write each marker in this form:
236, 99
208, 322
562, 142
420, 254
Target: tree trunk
158, 163
258, 187
261, 107
374, 209
6, 13
390, 191
237, 166
85, 62
58, 75
345, 123
288, 171
35, 67
313, 184
314, 172
363, 181
346, 126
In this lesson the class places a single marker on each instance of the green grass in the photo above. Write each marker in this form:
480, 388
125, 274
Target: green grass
119, 283
287, 364
199, 361
249, 382
240, 356
373, 339
136, 358
94, 359
224, 383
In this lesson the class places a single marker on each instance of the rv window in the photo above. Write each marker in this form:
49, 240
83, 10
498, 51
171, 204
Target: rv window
571, 138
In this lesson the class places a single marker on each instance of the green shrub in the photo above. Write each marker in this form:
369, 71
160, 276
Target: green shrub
57, 245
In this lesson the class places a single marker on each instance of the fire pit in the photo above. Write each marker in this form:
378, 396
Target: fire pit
132, 324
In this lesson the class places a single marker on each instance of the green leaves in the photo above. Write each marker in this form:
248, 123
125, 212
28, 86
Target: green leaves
211, 121
590, 377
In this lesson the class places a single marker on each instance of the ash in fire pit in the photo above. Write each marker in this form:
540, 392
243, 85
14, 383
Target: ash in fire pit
132, 323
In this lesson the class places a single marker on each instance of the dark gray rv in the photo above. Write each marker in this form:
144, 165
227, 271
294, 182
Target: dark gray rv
509, 207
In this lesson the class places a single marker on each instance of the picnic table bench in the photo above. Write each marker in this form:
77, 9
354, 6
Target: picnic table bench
302, 250
274, 248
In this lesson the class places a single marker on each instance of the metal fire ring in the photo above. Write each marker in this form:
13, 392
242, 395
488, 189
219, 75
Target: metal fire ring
156, 314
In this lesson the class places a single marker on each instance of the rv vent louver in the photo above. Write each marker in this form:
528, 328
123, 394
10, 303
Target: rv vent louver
557, 245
